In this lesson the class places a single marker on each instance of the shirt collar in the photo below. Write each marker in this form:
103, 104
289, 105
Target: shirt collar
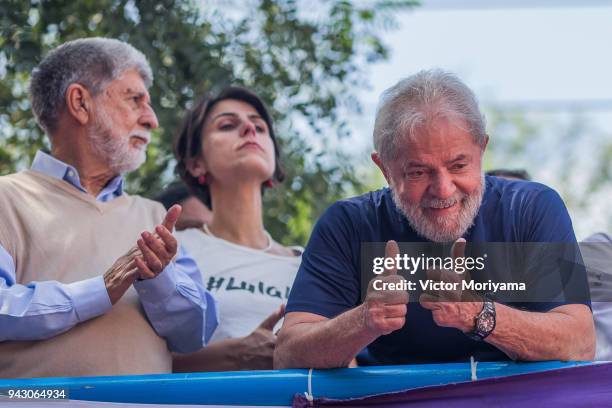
46, 164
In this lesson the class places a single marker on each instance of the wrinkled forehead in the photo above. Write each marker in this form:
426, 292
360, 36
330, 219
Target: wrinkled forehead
442, 138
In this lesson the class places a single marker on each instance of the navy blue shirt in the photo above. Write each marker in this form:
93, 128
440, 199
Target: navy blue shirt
328, 282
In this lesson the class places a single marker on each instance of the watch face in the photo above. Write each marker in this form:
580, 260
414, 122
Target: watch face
485, 323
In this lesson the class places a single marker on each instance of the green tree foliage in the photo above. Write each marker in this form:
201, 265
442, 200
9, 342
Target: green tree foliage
567, 151
303, 57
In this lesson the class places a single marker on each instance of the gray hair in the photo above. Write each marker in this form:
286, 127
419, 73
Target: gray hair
416, 101
91, 62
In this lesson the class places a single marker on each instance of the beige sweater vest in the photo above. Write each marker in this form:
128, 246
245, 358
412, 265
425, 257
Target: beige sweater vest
54, 232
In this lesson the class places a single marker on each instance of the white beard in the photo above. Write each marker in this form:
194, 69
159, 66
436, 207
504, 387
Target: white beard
443, 229
115, 148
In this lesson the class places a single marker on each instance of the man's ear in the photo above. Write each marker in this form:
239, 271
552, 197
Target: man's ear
376, 159
485, 143
195, 166
79, 103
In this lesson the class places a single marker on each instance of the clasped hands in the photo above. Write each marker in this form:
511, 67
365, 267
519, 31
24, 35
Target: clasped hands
385, 310
147, 259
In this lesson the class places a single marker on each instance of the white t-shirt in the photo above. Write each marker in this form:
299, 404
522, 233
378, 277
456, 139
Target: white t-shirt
248, 284
597, 255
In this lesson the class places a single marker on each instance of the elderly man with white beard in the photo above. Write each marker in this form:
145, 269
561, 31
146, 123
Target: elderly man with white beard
92, 281
429, 140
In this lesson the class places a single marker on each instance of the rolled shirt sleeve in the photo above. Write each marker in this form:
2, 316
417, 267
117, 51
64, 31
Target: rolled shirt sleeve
40, 310
177, 305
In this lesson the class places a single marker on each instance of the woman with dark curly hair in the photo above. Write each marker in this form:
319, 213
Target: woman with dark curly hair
227, 154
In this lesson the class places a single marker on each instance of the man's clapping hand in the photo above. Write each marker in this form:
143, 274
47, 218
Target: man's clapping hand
159, 249
146, 260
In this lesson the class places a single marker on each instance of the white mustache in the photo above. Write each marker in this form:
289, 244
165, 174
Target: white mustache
436, 203
142, 134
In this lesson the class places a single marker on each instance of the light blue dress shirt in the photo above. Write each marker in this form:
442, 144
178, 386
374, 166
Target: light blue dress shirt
39, 310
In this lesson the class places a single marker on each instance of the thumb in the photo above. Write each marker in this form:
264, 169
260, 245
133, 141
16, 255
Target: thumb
458, 251
171, 217
270, 321
458, 248
391, 251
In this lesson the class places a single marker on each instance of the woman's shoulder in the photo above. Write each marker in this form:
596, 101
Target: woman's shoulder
190, 233
193, 238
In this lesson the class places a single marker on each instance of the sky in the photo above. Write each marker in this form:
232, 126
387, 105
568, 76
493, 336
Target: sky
548, 57
545, 58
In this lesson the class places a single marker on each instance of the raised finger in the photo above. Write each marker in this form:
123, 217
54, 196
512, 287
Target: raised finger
171, 217
448, 276
391, 251
458, 248
435, 274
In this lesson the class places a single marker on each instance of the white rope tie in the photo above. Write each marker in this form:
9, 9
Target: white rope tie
308, 394
473, 364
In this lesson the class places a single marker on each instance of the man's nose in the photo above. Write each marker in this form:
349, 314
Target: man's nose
148, 119
442, 186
